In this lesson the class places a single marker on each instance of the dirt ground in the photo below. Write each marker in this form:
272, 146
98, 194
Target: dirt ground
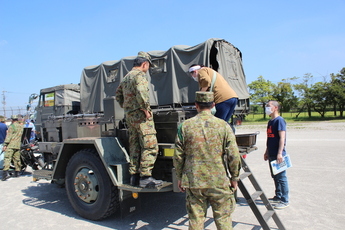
316, 183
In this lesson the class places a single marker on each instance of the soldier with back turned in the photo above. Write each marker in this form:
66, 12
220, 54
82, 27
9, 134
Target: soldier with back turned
206, 153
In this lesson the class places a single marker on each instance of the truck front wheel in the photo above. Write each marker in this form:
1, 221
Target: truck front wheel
89, 187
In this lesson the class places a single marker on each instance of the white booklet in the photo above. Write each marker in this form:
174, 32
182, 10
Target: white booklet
277, 168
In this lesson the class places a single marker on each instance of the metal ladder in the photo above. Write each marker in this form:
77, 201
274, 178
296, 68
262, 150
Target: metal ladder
270, 212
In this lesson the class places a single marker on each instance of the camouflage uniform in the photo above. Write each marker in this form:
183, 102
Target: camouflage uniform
205, 149
13, 144
133, 95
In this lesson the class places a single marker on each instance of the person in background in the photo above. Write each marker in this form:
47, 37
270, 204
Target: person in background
133, 95
224, 96
275, 150
207, 163
29, 124
11, 147
3, 132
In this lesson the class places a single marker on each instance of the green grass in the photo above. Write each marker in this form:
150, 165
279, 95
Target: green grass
291, 117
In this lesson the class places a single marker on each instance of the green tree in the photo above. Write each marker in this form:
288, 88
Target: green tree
261, 91
254, 108
319, 94
304, 91
283, 92
337, 90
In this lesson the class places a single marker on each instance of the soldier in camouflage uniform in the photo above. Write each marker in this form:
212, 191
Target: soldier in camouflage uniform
206, 151
11, 148
133, 95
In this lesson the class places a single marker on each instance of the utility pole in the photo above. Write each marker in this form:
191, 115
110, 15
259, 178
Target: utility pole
4, 102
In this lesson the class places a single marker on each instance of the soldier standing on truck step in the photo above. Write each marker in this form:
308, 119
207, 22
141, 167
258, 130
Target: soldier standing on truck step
207, 163
11, 148
133, 95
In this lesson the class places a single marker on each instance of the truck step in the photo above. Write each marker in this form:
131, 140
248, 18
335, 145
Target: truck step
42, 174
165, 187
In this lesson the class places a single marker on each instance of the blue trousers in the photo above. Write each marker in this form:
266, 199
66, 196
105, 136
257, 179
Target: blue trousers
226, 108
282, 186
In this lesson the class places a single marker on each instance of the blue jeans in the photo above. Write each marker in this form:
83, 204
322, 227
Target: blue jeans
282, 186
226, 108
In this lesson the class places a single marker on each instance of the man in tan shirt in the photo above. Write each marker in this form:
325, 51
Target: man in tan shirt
224, 96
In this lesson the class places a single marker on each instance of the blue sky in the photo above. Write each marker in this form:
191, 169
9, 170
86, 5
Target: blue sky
48, 43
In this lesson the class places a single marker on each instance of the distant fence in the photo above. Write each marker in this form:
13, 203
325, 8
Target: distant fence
303, 114
9, 111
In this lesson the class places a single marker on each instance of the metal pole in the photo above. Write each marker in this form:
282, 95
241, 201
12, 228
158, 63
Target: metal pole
4, 102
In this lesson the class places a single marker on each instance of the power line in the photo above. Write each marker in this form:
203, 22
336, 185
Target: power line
17, 92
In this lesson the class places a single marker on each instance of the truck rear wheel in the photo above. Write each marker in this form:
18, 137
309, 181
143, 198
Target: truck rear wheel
89, 187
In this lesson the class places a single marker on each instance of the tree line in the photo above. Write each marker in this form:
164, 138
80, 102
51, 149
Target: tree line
302, 94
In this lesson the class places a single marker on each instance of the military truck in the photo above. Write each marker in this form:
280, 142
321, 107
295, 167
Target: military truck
83, 134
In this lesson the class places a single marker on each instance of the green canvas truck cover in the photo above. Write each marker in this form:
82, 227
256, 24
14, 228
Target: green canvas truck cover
170, 82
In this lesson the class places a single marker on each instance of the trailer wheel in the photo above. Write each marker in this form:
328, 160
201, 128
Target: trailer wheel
89, 187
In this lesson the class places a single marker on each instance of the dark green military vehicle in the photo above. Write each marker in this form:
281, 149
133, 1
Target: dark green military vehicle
82, 129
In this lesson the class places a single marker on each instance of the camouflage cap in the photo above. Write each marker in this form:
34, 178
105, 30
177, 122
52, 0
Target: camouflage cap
147, 56
204, 97
14, 117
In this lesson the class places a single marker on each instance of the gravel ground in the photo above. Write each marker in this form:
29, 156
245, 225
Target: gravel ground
316, 187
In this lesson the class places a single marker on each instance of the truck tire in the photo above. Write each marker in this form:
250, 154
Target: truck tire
89, 187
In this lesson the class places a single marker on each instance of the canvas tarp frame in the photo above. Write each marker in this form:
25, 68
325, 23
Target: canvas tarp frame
170, 83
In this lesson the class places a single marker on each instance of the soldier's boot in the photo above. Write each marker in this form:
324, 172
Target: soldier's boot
135, 178
5, 175
149, 182
16, 174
